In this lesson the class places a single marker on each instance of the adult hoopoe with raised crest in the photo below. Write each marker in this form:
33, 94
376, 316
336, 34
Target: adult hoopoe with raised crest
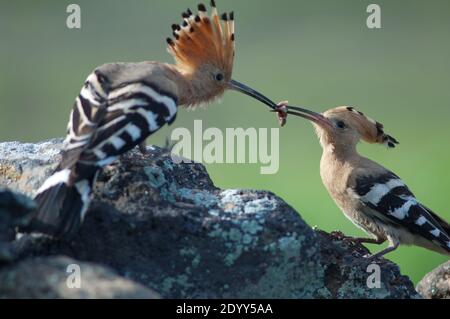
372, 197
121, 104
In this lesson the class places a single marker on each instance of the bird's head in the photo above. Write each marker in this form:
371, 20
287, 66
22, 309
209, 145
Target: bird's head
344, 127
203, 47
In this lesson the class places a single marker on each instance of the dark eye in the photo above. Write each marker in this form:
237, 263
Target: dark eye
341, 124
219, 77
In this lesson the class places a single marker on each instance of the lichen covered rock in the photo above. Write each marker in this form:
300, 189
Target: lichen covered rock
167, 227
436, 284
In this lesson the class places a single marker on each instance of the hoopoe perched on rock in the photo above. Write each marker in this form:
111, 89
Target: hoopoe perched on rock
121, 104
372, 197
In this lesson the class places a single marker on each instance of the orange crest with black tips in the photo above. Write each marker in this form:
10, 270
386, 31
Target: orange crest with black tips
203, 38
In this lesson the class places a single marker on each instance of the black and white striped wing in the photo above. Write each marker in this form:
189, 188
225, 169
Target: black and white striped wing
134, 111
106, 123
88, 110
395, 204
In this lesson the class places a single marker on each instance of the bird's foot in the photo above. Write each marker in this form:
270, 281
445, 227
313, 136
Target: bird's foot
347, 239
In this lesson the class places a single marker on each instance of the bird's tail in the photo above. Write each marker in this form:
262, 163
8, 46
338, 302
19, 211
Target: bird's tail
446, 227
62, 204
443, 240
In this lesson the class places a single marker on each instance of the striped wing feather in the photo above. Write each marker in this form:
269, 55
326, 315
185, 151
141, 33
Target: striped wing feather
387, 195
104, 125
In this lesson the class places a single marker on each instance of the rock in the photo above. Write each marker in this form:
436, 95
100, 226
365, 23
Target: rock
56, 280
27, 165
167, 226
436, 284
15, 211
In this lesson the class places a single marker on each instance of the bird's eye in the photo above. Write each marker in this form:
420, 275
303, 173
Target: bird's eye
341, 125
219, 77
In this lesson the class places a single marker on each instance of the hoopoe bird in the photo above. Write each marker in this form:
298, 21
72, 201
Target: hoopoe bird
372, 197
121, 104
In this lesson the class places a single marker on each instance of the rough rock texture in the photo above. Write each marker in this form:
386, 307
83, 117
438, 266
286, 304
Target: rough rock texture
436, 284
15, 211
166, 226
47, 277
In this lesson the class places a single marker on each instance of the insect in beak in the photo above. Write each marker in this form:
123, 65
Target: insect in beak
284, 110
236, 86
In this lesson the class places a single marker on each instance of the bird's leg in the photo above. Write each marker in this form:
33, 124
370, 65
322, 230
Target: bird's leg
391, 248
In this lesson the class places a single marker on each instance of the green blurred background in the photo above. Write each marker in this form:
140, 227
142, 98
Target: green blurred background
318, 54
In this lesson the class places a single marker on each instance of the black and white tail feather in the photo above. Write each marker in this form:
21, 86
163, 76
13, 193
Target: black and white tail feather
62, 204
116, 111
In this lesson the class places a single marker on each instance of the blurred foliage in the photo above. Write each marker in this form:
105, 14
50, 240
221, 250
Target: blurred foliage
318, 54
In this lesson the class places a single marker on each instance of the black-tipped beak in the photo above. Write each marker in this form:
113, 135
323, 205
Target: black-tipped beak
309, 115
236, 86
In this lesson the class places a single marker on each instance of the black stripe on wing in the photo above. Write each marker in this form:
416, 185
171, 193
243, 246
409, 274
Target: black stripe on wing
395, 199
164, 103
158, 90
133, 114
396, 204
88, 109
365, 184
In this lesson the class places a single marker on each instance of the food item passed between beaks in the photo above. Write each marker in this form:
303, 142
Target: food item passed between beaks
282, 112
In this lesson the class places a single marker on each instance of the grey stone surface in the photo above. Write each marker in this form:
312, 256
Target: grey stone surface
167, 226
436, 284
55, 278
15, 211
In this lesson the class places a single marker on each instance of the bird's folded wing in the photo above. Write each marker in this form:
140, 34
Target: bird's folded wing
393, 202
104, 125
89, 109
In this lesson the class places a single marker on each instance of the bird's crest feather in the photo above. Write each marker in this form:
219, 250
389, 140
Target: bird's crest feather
203, 38
370, 130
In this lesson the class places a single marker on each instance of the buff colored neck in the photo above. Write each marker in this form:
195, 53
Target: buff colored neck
183, 83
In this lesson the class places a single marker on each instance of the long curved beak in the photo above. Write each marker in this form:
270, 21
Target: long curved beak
309, 115
236, 86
